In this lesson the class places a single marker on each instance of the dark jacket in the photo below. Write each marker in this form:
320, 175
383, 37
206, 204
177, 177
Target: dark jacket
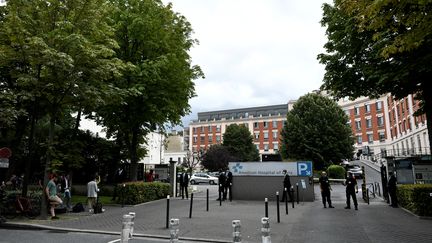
287, 181
324, 183
184, 179
350, 183
392, 183
229, 178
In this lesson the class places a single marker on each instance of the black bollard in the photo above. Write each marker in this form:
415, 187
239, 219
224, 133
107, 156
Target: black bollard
191, 203
277, 207
220, 194
286, 201
230, 192
367, 195
123, 191
207, 206
292, 199
167, 212
266, 207
297, 194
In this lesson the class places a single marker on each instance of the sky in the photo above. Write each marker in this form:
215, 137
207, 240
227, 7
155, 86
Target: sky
252, 52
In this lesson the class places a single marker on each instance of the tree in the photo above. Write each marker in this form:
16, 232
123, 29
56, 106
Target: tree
239, 142
216, 158
379, 47
156, 83
317, 129
192, 160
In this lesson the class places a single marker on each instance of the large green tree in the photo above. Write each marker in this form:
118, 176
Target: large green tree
157, 82
216, 158
239, 141
57, 54
317, 129
376, 47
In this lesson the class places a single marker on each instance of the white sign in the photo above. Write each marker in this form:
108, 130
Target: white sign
4, 163
302, 168
303, 184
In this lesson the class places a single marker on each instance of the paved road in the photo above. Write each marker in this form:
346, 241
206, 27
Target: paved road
307, 222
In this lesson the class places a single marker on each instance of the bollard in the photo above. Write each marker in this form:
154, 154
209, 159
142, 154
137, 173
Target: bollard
277, 207
265, 230
123, 191
207, 204
220, 195
367, 195
236, 231
297, 194
230, 192
379, 190
174, 230
133, 214
167, 211
286, 200
126, 228
292, 199
190, 208
266, 207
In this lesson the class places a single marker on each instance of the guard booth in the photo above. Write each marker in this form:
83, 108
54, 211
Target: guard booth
412, 170
259, 180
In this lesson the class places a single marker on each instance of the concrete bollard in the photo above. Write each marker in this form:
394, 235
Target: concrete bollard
236, 231
126, 228
265, 230
174, 230
133, 214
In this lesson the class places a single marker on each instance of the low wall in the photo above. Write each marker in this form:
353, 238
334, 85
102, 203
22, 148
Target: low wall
260, 187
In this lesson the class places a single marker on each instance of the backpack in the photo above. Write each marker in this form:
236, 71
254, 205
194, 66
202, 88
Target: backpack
78, 208
97, 208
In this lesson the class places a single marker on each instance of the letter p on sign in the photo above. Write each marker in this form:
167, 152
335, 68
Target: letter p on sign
304, 168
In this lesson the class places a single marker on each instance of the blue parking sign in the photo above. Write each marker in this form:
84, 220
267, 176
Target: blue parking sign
304, 168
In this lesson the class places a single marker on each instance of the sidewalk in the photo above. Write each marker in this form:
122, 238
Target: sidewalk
307, 222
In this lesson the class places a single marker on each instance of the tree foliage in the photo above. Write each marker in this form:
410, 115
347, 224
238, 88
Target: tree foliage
376, 47
239, 142
317, 130
216, 158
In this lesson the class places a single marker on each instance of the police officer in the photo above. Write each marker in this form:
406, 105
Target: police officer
351, 190
228, 185
325, 189
287, 186
392, 190
222, 180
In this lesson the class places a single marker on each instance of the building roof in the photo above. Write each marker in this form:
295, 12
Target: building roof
273, 110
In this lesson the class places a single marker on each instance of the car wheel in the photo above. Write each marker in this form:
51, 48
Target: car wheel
211, 182
192, 182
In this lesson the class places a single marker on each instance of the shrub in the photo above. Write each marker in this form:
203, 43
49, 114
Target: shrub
139, 192
336, 172
416, 198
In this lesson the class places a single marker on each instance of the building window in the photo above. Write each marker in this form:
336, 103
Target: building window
274, 124
367, 108
359, 140
265, 124
370, 138
202, 139
195, 139
356, 111
210, 138
266, 147
194, 130
256, 135
218, 138
209, 128
275, 135
257, 146
276, 147
381, 136
358, 125
202, 129
265, 135
255, 124
380, 121
368, 123
218, 128
378, 105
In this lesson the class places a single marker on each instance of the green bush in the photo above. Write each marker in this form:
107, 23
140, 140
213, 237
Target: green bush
139, 192
416, 198
336, 172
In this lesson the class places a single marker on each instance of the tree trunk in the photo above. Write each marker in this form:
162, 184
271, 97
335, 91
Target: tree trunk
44, 206
133, 155
29, 154
427, 97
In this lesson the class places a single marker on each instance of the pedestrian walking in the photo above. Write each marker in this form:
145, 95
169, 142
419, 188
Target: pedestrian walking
221, 181
65, 188
325, 189
184, 183
228, 185
51, 192
287, 185
92, 193
392, 190
351, 190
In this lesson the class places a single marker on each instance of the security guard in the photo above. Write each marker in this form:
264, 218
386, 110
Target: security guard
351, 190
325, 189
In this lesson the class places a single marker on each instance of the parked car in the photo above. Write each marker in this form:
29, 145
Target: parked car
203, 178
355, 170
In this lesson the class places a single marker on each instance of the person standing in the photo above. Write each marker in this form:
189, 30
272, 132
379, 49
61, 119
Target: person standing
392, 190
184, 183
221, 185
66, 190
351, 190
51, 192
287, 186
325, 189
92, 190
228, 185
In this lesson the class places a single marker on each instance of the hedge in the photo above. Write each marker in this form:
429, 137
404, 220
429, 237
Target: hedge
139, 192
416, 198
336, 172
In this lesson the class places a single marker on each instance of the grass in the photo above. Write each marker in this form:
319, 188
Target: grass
105, 200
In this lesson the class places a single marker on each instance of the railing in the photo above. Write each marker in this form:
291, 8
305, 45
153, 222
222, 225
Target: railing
412, 152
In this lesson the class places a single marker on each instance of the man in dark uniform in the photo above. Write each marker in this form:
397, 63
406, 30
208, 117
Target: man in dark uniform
287, 185
221, 185
184, 183
228, 185
325, 189
392, 190
351, 190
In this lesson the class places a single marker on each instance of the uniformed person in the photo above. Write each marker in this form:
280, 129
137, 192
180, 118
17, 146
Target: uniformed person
392, 190
351, 190
286, 187
228, 185
222, 179
325, 189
